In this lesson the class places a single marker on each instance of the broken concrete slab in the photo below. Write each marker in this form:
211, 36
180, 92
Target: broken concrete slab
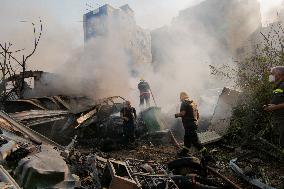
44, 169
209, 137
220, 121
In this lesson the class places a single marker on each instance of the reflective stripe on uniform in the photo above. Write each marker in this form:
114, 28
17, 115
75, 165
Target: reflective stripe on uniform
203, 150
276, 91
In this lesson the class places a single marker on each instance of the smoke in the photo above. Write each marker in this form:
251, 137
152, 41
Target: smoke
16, 18
207, 34
270, 10
182, 52
99, 70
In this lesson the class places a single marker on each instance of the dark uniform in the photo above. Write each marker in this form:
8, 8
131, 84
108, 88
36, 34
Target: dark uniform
144, 89
278, 115
189, 121
128, 126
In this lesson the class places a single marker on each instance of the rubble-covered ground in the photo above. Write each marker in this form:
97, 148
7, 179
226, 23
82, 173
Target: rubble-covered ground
71, 142
272, 170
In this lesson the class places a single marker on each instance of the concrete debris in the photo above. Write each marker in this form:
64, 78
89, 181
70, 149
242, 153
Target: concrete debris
209, 137
44, 169
220, 121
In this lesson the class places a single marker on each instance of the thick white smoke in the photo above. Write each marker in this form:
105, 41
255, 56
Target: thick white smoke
183, 52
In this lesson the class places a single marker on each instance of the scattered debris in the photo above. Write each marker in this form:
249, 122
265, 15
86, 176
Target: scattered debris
248, 175
58, 142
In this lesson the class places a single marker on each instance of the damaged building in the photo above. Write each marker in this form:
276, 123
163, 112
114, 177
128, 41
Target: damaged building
109, 21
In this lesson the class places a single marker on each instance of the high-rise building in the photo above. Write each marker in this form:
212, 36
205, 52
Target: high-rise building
118, 24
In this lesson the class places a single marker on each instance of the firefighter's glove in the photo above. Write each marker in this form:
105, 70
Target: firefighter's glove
176, 116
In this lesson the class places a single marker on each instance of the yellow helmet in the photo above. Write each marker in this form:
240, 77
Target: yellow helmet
142, 79
183, 96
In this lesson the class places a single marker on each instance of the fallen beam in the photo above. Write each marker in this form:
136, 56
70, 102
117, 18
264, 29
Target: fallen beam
36, 114
32, 135
9, 182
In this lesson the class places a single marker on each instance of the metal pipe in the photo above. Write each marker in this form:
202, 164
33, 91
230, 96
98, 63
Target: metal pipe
223, 177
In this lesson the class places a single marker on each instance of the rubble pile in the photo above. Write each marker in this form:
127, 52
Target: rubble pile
75, 142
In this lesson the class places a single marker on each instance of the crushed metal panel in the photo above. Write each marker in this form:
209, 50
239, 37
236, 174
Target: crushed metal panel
102, 109
33, 135
149, 174
220, 121
49, 102
37, 117
22, 105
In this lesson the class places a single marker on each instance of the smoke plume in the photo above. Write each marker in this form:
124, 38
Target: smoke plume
206, 34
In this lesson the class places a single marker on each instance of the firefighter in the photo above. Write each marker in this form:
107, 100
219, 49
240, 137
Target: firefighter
144, 89
189, 114
276, 105
128, 114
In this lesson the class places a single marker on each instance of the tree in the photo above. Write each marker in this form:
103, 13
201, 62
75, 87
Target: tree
251, 78
11, 63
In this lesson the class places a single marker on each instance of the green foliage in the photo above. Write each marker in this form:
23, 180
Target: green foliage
251, 78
